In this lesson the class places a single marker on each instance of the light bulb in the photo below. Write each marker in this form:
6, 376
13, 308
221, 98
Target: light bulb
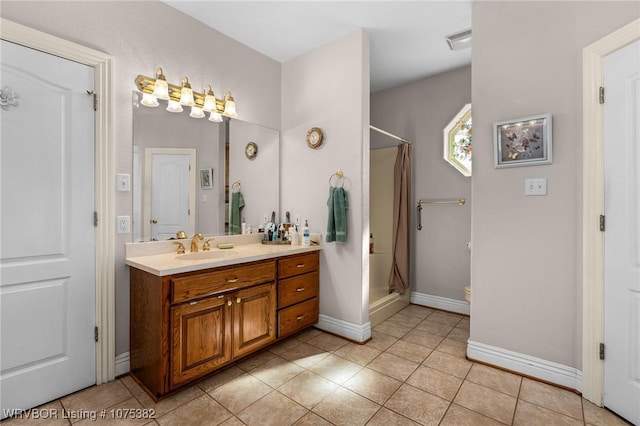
209, 99
196, 112
174, 106
149, 100
186, 94
215, 117
161, 88
229, 106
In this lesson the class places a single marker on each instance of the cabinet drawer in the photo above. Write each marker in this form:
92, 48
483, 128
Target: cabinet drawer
297, 317
297, 265
221, 280
296, 289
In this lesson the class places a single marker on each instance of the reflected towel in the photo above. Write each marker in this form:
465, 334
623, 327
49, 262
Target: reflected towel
337, 218
237, 203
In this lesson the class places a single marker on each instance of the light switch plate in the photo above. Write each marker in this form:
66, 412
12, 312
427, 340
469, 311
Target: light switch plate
535, 186
123, 182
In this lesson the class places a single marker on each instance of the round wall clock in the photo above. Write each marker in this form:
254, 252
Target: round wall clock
251, 150
314, 137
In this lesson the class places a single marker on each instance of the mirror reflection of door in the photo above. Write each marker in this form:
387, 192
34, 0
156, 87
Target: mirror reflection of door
170, 174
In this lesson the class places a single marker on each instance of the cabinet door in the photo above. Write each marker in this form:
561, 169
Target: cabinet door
254, 314
200, 338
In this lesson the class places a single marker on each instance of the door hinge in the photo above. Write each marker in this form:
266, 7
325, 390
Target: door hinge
95, 219
602, 351
95, 333
95, 99
602, 223
601, 94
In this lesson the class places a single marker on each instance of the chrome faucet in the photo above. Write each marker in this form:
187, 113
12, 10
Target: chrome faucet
194, 242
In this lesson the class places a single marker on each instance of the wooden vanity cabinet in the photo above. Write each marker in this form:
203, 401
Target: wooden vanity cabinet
187, 325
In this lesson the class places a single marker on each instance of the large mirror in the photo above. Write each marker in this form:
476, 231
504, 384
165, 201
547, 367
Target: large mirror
184, 170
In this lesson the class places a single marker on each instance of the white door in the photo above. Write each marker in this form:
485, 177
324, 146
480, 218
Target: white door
47, 260
172, 182
622, 235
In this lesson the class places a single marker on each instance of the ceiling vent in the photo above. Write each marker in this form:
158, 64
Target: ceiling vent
459, 41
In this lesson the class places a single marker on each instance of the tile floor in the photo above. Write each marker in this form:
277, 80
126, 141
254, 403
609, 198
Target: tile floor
413, 371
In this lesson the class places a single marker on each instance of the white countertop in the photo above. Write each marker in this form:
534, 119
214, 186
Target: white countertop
160, 258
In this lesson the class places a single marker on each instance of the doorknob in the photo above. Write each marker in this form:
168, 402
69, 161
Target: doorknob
154, 221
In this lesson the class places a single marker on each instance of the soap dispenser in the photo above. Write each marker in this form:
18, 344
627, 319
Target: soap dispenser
306, 236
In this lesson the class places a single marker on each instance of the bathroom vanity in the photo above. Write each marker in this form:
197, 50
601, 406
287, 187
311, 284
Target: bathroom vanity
193, 313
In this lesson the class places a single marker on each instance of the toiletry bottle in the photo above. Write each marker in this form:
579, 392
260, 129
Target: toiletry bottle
244, 225
306, 236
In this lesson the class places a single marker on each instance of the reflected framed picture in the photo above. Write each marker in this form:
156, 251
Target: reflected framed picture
206, 178
525, 141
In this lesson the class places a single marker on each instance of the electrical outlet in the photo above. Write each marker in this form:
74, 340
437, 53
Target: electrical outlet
537, 186
123, 225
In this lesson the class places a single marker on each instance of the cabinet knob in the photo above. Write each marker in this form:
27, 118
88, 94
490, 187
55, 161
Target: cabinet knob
300, 317
238, 300
229, 303
300, 289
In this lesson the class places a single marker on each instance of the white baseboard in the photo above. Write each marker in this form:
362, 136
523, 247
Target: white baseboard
451, 305
525, 364
122, 364
348, 330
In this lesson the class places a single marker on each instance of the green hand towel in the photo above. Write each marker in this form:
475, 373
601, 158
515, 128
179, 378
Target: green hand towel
337, 221
237, 203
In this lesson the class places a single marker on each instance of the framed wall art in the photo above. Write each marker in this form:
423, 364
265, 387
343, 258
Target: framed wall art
525, 141
206, 178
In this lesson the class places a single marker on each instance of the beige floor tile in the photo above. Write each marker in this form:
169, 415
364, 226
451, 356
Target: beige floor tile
465, 323
274, 409
305, 355
406, 320
423, 338
344, 407
307, 334
436, 382
392, 329
552, 397
360, 354
433, 327
373, 385
221, 378
445, 318
96, 398
126, 413
240, 392
312, 419
453, 347
598, 416
200, 411
308, 389
448, 364
381, 341
410, 351
232, 421
460, 416
418, 405
276, 371
393, 366
327, 342
417, 311
386, 417
255, 360
495, 379
459, 334
50, 414
171, 402
284, 346
336, 369
527, 414
486, 401
132, 385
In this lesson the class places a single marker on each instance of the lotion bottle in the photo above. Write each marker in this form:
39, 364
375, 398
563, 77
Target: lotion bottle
306, 236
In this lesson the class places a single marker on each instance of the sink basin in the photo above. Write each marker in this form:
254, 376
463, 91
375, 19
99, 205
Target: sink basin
206, 255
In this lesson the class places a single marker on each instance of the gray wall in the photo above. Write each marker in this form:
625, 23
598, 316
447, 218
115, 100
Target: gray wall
137, 35
527, 251
418, 112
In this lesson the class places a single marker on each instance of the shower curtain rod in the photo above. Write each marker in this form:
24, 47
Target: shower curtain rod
384, 132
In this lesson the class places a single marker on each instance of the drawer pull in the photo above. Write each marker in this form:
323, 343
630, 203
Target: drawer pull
221, 296
229, 303
232, 280
300, 317
300, 265
192, 303
299, 289
238, 300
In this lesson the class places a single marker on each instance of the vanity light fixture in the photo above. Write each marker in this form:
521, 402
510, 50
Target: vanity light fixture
459, 41
158, 88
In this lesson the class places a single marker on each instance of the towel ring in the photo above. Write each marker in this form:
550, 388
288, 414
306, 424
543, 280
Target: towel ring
339, 175
235, 185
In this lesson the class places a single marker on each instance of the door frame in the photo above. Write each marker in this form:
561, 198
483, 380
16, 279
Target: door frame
104, 172
593, 206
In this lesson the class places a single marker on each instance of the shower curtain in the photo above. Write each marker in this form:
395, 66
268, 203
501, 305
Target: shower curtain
399, 278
